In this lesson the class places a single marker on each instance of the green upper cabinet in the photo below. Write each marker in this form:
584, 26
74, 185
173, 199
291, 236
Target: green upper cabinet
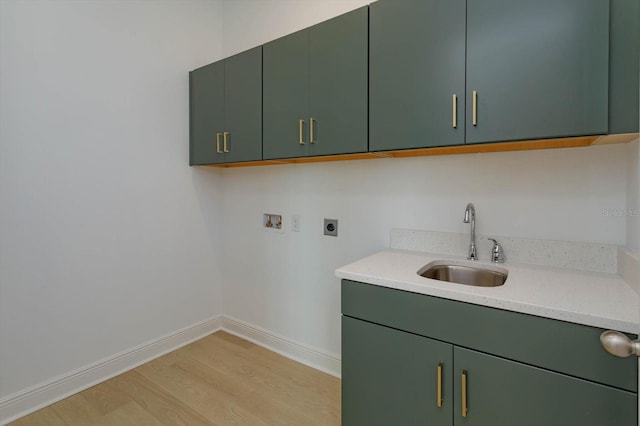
285, 96
206, 113
226, 110
453, 72
537, 69
315, 89
417, 67
624, 66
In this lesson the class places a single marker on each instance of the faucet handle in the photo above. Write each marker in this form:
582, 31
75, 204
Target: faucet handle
497, 252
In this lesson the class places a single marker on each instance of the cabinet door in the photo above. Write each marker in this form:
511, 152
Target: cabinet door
417, 65
502, 392
539, 67
206, 113
624, 45
390, 377
286, 96
338, 70
243, 106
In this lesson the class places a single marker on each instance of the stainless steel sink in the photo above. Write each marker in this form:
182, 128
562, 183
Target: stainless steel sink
464, 274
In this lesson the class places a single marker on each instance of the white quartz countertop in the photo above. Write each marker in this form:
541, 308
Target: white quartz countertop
590, 298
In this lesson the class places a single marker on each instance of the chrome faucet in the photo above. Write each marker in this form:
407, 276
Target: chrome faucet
497, 252
470, 217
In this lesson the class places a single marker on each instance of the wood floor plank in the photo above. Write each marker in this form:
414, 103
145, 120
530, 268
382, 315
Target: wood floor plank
311, 390
104, 399
76, 411
44, 417
152, 398
264, 379
218, 380
212, 402
130, 414
273, 411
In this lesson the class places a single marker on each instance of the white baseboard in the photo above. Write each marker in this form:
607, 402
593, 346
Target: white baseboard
46, 393
313, 357
36, 397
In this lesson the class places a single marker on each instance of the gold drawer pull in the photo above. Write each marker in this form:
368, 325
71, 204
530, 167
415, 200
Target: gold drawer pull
439, 392
218, 136
465, 409
226, 134
475, 108
300, 131
311, 121
455, 111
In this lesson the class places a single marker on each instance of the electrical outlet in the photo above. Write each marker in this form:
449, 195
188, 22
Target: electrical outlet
331, 227
295, 223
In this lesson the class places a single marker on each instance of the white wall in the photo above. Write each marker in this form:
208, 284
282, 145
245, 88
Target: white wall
250, 23
107, 238
285, 283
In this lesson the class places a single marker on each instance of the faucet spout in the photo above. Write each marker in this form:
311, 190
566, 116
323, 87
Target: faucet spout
470, 217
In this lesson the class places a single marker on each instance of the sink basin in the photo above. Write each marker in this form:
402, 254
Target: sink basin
464, 274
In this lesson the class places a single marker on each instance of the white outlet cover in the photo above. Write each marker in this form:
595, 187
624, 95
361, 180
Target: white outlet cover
295, 223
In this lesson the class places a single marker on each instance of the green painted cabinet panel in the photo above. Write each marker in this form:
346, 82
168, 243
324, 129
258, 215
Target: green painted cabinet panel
226, 110
392, 339
243, 106
206, 113
338, 69
624, 67
286, 96
390, 377
503, 392
318, 74
417, 65
474, 327
540, 69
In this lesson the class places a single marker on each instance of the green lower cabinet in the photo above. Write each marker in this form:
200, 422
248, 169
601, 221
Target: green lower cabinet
396, 345
503, 392
390, 377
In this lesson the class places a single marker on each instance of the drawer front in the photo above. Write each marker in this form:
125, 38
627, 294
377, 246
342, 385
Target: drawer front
563, 347
503, 392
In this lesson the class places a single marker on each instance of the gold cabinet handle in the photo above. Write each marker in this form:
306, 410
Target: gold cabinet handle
465, 409
455, 111
224, 144
439, 390
300, 130
311, 121
475, 108
218, 136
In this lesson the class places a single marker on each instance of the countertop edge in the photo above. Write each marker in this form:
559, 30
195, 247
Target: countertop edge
458, 294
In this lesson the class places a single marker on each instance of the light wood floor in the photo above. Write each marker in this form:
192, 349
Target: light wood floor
218, 380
